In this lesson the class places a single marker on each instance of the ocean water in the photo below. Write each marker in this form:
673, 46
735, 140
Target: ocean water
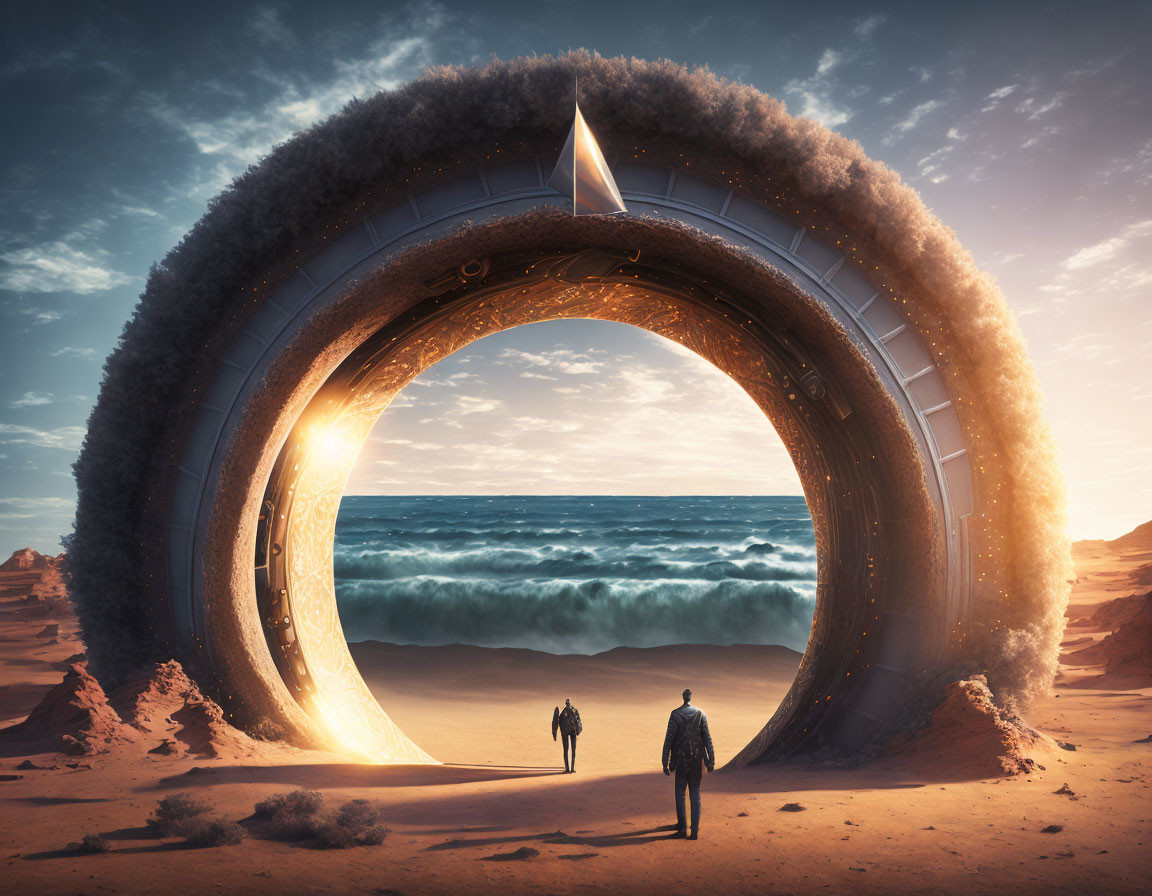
575, 574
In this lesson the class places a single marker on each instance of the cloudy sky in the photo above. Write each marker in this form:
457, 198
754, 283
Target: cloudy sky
1025, 126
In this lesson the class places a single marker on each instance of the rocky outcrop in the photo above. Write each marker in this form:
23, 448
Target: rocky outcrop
165, 705
1110, 616
28, 559
147, 700
158, 710
1125, 654
74, 718
204, 731
970, 736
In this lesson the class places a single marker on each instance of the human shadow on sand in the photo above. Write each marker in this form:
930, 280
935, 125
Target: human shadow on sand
625, 838
317, 776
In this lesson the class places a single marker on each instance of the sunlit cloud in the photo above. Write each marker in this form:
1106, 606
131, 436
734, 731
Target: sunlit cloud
559, 360
470, 404
1109, 249
655, 418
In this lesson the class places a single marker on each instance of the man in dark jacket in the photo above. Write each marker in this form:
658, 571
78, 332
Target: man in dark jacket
688, 748
567, 720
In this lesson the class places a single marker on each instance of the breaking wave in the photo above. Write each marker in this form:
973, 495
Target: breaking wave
576, 574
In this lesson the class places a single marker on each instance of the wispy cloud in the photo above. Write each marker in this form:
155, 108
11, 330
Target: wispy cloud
558, 360
815, 92
233, 141
930, 166
66, 437
41, 315
14, 510
1118, 267
59, 267
470, 404
1032, 109
1137, 166
997, 96
1107, 250
865, 27
829, 59
32, 400
911, 120
68, 351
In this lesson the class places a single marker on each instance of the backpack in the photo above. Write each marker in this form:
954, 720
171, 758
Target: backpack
572, 716
689, 746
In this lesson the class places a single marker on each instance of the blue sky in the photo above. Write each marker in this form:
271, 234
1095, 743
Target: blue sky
1025, 126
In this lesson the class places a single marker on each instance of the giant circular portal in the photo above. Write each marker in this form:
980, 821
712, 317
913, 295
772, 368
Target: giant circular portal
376, 244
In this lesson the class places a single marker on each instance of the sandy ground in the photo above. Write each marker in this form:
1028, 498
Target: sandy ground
882, 829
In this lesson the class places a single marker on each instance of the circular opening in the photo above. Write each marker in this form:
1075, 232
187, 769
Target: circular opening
861, 502
582, 495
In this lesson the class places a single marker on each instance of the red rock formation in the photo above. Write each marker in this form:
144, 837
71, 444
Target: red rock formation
1139, 539
969, 736
163, 702
147, 700
159, 709
1110, 616
26, 558
74, 717
204, 731
1126, 654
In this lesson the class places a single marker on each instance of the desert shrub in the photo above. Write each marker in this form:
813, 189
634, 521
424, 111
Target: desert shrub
202, 831
355, 824
292, 814
93, 843
300, 802
374, 835
175, 810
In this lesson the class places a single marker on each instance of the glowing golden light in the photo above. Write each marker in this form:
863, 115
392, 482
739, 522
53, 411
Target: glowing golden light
336, 696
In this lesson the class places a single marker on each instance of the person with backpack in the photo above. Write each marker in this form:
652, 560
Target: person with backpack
567, 722
688, 748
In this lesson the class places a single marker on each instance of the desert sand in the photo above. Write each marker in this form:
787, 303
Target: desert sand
980, 802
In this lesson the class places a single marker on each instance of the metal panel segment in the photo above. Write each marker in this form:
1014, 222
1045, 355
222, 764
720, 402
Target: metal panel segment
635, 178
762, 220
693, 191
343, 248
442, 197
819, 255
946, 428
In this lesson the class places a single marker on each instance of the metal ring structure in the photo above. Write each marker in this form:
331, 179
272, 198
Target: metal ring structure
907, 468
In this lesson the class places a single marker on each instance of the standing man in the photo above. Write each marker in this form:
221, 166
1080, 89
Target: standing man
567, 721
688, 746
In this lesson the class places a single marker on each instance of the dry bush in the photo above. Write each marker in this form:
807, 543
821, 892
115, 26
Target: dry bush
301, 802
355, 824
292, 814
201, 831
174, 811
92, 843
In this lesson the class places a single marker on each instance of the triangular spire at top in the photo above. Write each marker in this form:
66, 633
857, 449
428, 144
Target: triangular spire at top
582, 174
